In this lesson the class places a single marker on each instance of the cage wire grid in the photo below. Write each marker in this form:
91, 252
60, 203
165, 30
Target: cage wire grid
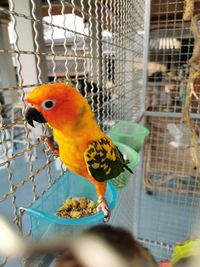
169, 199
104, 61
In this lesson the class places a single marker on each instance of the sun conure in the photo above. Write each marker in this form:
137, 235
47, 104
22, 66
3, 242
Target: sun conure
82, 146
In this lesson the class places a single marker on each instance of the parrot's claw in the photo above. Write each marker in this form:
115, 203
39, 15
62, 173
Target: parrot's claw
103, 206
49, 151
50, 148
56, 152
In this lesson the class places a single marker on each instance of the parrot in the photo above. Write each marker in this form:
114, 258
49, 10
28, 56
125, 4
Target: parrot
185, 252
82, 146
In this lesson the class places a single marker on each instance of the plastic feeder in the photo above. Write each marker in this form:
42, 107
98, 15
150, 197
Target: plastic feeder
133, 157
44, 224
129, 133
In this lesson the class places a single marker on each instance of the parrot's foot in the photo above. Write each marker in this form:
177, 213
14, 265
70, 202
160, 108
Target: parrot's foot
50, 147
103, 206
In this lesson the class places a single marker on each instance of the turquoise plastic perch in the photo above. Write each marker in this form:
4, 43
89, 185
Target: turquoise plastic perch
41, 213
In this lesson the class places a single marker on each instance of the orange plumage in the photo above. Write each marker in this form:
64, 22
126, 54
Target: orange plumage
81, 142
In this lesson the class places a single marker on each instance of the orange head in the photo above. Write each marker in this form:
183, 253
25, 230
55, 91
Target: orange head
57, 104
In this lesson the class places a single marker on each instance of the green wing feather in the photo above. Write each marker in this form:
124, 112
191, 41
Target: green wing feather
104, 160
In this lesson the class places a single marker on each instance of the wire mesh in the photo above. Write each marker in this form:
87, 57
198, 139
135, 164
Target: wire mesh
100, 51
169, 199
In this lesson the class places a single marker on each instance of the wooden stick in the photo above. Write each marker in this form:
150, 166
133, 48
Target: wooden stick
194, 72
188, 10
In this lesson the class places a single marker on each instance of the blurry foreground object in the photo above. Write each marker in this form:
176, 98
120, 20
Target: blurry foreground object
10, 243
165, 264
187, 254
123, 244
100, 246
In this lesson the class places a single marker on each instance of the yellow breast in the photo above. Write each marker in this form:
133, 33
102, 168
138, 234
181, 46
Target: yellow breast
73, 141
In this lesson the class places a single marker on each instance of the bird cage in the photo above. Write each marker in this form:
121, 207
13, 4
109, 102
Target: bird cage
99, 47
171, 192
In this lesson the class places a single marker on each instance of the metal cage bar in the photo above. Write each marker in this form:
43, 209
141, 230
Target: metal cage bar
102, 58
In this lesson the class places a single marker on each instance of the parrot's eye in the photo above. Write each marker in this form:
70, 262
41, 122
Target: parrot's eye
48, 104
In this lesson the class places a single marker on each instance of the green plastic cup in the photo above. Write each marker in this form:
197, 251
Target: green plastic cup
121, 181
129, 133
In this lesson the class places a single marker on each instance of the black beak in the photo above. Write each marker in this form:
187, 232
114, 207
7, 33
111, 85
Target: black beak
33, 114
